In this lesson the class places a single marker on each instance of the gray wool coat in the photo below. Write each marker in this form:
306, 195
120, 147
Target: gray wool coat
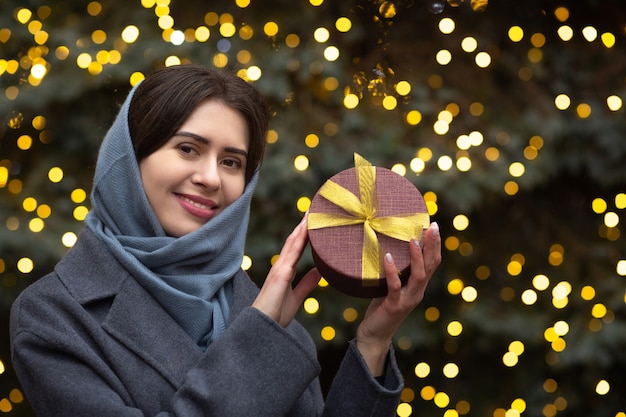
88, 340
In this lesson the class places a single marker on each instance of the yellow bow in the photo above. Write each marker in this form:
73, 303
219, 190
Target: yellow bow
402, 227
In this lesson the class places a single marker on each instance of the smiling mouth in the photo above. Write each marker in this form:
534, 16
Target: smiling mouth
195, 203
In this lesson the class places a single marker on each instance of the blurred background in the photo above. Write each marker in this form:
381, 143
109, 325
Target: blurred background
508, 117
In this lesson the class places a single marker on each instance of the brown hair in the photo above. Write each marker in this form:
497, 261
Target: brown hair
166, 98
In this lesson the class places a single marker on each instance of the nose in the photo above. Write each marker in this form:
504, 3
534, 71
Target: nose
206, 175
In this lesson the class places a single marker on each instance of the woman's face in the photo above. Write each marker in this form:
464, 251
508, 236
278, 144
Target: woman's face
200, 170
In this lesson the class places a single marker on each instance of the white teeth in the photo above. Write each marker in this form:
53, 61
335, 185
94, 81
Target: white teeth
196, 204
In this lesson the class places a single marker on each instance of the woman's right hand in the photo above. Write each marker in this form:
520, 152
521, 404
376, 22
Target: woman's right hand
277, 298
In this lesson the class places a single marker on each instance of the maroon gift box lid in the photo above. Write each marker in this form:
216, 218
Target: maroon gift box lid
345, 208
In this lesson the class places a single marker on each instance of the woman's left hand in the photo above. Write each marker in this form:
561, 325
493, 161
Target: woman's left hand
384, 315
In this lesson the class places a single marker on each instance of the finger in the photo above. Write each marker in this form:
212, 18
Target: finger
432, 249
394, 285
418, 273
294, 245
306, 285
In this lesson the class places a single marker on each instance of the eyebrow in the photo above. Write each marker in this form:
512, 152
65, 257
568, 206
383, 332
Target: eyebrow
205, 141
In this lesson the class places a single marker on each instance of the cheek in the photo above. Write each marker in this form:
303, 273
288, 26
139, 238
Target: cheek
236, 189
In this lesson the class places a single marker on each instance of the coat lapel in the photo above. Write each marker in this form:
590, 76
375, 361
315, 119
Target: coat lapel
135, 318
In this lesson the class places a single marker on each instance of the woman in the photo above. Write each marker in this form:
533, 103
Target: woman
150, 314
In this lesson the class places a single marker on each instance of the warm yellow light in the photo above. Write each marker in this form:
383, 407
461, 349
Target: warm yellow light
599, 310
351, 101
69, 239
590, 33
246, 263
83, 60
413, 117
469, 44
541, 282
228, 29
562, 102
561, 328
565, 32
311, 305
516, 33
254, 73
403, 88
80, 213
529, 297
331, 53
483, 59
246, 32
270, 29
399, 169
518, 405
464, 164
130, 34
303, 204
444, 163
492, 154
25, 265
614, 103
350, 314
404, 410
417, 165
422, 370
24, 142
441, 127
510, 359
443, 57
44, 211
441, 400
301, 163
328, 333
428, 393
538, 40
55, 174
561, 13
343, 24
390, 103
451, 370
446, 25
292, 40
608, 39
136, 77
455, 286
321, 34
583, 110
23, 15
469, 294
603, 387
611, 219
454, 328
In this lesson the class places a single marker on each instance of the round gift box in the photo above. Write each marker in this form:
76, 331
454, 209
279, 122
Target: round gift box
337, 251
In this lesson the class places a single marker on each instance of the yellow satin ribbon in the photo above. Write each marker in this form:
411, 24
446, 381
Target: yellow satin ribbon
364, 211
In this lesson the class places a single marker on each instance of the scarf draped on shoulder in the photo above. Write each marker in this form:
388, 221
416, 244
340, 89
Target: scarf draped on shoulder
189, 276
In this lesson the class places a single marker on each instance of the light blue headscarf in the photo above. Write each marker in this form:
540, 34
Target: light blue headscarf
189, 276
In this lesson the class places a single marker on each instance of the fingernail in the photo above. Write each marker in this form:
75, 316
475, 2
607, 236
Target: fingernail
388, 258
415, 241
435, 227
303, 221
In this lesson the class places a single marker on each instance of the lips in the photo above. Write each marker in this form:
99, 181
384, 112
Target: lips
197, 206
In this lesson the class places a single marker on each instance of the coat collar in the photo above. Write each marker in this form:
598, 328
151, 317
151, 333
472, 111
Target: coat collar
135, 318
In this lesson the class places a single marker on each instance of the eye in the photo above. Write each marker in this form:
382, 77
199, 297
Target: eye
186, 149
232, 162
